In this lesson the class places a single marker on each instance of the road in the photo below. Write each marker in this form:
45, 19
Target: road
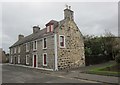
18, 74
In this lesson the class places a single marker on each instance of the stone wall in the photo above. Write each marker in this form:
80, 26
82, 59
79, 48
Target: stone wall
49, 51
72, 56
39, 52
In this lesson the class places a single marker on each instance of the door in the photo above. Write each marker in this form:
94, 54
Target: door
15, 60
34, 60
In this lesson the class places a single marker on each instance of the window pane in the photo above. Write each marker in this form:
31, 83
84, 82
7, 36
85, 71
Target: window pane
35, 45
61, 40
44, 42
47, 28
44, 59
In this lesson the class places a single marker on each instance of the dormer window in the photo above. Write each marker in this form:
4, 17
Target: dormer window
49, 28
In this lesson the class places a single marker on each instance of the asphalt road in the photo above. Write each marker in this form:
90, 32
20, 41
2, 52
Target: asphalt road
18, 74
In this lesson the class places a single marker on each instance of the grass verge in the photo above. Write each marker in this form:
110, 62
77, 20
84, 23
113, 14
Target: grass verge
101, 71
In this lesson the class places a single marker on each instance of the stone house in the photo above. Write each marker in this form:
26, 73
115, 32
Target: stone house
57, 46
3, 56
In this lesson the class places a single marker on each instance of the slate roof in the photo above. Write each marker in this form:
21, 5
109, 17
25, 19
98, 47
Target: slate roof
42, 33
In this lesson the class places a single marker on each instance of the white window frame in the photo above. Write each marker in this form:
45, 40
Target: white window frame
11, 59
46, 59
14, 49
43, 43
64, 42
27, 49
34, 45
19, 49
36, 60
27, 57
48, 28
18, 59
51, 28
11, 50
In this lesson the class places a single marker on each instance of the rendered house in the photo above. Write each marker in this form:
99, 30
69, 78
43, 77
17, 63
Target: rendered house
57, 46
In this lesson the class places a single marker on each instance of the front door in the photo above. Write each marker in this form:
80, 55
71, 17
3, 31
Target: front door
34, 60
15, 60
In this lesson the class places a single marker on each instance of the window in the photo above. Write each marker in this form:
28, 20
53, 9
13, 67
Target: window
18, 49
27, 47
44, 59
44, 43
27, 59
18, 58
11, 59
11, 50
35, 45
15, 50
62, 41
50, 28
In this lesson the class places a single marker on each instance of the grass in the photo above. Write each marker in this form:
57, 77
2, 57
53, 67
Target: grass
102, 71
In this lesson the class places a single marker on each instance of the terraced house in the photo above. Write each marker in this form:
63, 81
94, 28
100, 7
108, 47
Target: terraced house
57, 46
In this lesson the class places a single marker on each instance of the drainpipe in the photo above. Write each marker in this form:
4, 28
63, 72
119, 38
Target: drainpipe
55, 49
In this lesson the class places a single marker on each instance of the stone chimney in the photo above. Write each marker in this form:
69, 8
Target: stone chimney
68, 13
20, 37
36, 29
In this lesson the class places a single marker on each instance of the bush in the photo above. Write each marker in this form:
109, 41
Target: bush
117, 58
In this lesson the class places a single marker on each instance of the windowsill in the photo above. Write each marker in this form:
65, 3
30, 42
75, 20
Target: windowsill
34, 49
45, 65
44, 48
27, 51
27, 63
62, 47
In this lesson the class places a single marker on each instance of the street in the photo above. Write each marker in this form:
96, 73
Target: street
18, 74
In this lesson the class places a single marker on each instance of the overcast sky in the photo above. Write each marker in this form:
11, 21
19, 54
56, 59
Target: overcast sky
92, 18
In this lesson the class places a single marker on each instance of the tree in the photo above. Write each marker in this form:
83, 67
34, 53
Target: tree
117, 58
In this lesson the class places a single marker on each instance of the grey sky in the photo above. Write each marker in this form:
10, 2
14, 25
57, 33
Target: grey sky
91, 17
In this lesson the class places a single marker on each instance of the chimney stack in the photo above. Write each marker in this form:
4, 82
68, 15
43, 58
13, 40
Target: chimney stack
20, 37
36, 29
68, 13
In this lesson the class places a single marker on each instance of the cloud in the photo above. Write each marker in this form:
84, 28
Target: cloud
92, 18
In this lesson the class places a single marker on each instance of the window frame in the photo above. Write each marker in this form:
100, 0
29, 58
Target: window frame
48, 28
27, 57
63, 42
51, 28
27, 49
18, 59
11, 59
46, 59
34, 45
11, 51
15, 49
44, 43
19, 49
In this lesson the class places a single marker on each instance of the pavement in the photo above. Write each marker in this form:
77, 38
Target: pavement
71, 76
19, 74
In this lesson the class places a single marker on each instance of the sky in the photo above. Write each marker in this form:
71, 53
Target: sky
92, 18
